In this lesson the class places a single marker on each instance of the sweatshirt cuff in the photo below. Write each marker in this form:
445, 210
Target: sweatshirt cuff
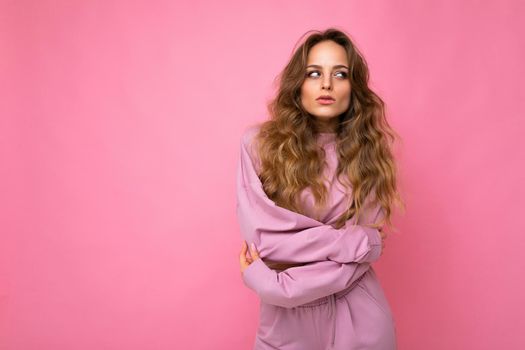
374, 242
257, 275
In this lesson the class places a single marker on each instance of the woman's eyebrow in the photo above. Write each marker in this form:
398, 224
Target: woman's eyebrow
336, 66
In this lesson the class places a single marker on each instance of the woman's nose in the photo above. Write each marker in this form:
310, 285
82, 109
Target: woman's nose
327, 83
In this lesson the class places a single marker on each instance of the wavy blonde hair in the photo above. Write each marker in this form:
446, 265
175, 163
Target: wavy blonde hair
290, 158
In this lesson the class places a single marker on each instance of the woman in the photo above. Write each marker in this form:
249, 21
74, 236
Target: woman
315, 185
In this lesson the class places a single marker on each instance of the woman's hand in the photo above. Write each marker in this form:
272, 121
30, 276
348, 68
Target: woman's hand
247, 260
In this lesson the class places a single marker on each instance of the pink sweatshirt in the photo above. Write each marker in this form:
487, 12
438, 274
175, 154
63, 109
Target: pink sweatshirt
335, 257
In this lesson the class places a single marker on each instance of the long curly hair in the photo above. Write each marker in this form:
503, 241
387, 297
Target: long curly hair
290, 158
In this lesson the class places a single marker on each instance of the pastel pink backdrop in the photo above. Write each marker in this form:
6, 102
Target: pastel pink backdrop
120, 125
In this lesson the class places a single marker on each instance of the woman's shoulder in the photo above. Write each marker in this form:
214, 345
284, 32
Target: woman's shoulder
247, 142
249, 134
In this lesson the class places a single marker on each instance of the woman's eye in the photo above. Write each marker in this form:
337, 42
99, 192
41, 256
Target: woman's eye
342, 74
310, 73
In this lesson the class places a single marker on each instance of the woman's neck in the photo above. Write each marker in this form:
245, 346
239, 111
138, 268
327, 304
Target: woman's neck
326, 126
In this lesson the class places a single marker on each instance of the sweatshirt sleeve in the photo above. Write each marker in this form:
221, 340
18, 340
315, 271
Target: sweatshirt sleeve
286, 236
302, 284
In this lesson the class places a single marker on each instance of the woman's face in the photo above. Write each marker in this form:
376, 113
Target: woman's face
326, 74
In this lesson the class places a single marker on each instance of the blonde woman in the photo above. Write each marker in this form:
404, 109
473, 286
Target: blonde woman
316, 183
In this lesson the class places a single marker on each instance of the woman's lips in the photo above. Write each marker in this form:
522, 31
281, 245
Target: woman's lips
325, 101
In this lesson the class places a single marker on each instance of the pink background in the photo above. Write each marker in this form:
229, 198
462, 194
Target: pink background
120, 125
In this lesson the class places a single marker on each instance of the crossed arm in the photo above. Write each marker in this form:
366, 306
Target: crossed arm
300, 285
333, 258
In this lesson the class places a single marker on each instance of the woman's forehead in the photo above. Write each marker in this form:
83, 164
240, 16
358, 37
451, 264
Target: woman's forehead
327, 53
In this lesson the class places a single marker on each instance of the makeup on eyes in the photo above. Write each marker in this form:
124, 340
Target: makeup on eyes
312, 71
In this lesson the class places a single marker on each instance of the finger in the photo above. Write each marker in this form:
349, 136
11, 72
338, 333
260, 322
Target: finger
247, 253
242, 255
242, 259
254, 252
243, 249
